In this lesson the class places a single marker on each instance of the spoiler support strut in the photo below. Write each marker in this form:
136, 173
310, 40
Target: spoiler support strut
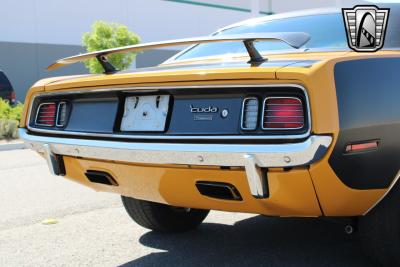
107, 66
255, 57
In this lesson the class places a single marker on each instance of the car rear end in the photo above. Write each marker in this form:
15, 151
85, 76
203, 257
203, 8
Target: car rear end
206, 129
293, 134
228, 139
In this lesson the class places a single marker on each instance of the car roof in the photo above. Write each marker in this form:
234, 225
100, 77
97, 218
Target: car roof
282, 16
394, 13
301, 13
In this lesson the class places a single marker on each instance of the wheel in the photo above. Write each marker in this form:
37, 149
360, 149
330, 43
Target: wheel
161, 217
380, 230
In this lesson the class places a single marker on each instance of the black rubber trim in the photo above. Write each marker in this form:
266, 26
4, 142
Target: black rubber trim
61, 165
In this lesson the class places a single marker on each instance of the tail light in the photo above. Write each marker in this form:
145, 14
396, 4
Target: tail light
249, 113
46, 114
283, 113
61, 114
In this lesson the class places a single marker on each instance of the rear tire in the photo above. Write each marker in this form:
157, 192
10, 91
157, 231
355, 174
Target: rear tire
380, 230
161, 217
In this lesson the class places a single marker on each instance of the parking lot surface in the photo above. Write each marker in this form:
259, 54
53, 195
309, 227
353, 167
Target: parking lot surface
93, 229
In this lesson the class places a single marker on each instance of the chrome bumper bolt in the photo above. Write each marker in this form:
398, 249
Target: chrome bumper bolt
287, 159
200, 158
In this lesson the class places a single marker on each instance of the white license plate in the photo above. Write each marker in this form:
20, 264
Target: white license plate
145, 113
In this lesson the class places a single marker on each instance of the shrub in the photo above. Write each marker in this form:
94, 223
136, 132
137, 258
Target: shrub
5, 109
106, 35
8, 129
9, 119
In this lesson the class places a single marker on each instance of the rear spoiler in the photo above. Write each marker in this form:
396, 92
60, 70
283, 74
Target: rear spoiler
294, 39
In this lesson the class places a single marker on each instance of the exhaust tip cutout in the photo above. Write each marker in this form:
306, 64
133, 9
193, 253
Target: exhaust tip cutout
218, 190
100, 177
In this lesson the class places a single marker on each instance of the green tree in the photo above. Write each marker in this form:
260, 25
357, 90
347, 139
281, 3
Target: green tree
106, 35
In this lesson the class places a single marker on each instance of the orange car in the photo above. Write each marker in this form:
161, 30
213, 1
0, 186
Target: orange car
273, 116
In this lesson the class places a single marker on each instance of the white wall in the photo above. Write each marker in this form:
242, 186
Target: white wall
64, 21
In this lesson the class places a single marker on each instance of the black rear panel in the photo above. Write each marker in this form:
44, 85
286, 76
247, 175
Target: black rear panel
192, 111
185, 122
93, 115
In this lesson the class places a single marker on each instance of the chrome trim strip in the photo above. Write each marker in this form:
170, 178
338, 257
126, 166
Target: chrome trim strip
242, 118
386, 193
274, 129
251, 157
175, 137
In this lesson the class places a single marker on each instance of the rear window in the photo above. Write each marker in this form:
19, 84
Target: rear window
326, 31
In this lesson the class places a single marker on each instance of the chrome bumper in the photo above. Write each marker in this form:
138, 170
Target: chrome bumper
252, 157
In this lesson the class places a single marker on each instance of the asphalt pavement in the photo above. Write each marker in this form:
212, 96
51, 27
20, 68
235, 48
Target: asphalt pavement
93, 229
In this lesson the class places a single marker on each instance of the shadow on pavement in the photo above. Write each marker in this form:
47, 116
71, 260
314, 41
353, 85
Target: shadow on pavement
257, 241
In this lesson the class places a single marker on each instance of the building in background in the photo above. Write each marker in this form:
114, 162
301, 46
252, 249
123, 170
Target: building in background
34, 33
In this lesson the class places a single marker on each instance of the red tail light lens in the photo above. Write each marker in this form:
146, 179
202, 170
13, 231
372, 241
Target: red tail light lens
283, 113
46, 114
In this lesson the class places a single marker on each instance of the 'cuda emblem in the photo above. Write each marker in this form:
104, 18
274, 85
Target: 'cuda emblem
209, 109
365, 27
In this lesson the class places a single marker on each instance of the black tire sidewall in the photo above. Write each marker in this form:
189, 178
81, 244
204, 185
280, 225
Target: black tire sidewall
161, 217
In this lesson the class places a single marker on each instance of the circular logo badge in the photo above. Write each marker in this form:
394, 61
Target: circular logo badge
224, 113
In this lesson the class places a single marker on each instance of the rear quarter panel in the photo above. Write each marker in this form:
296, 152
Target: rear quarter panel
331, 113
